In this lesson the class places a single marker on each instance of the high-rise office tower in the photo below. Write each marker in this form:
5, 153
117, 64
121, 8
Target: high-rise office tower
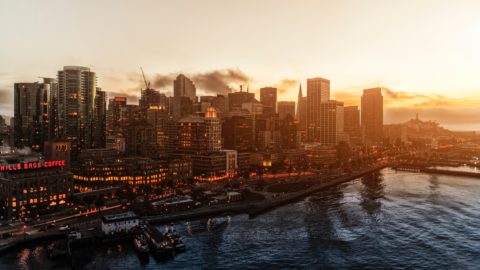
52, 108
113, 114
268, 97
76, 106
301, 110
331, 122
4, 133
31, 109
372, 115
286, 108
184, 96
352, 124
99, 127
213, 130
236, 99
237, 133
318, 91
158, 117
191, 135
184, 87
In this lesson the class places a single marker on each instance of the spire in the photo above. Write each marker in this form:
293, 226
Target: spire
300, 95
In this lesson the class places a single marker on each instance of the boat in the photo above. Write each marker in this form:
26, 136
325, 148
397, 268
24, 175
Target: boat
175, 239
140, 244
159, 244
214, 224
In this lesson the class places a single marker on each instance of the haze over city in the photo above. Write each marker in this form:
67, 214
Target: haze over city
424, 53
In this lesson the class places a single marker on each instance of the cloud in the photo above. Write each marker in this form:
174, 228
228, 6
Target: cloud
161, 81
220, 81
213, 82
286, 85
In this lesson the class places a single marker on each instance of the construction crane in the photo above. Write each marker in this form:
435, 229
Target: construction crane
147, 84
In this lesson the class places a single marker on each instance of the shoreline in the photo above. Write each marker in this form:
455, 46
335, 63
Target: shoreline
253, 209
256, 208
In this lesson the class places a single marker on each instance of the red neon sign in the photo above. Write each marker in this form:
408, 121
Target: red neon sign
32, 165
120, 99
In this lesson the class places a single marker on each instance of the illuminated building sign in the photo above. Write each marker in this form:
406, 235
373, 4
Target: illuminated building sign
32, 165
120, 99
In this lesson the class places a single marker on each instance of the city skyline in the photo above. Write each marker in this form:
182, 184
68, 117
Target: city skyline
239, 134
426, 64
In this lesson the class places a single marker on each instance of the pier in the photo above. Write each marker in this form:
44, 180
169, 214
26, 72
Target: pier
423, 169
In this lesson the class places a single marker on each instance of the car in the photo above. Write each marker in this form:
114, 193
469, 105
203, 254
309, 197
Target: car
64, 228
92, 228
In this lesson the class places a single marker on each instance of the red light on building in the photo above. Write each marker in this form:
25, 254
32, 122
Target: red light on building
120, 99
32, 165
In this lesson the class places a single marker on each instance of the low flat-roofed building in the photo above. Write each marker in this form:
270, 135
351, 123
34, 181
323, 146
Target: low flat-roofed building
234, 196
119, 223
97, 169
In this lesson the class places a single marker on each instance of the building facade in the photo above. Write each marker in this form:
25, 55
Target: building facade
76, 106
372, 115
286, 108
318, 91
268, 97
331, 122
31, 186
32, 111
102, 168
352, 124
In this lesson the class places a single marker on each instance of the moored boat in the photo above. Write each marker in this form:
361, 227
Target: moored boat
158, 243
140, 244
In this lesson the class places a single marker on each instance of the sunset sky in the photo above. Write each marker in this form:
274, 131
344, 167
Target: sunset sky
426, 53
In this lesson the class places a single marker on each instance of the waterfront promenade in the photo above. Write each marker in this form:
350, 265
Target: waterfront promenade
256, 208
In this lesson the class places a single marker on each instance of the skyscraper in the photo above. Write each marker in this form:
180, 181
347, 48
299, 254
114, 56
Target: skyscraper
113, 114
268, 97
237, 133
213, 130
184, 96
286, 108
331, 122
184, 87
372, 115
157, 117
318, 91
352, 124
99, 127
31, 110
76, 106
236, 99
302, 110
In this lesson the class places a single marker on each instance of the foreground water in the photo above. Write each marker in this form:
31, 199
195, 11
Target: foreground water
396, 220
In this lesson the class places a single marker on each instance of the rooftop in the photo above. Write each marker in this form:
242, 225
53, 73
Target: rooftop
119, 217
